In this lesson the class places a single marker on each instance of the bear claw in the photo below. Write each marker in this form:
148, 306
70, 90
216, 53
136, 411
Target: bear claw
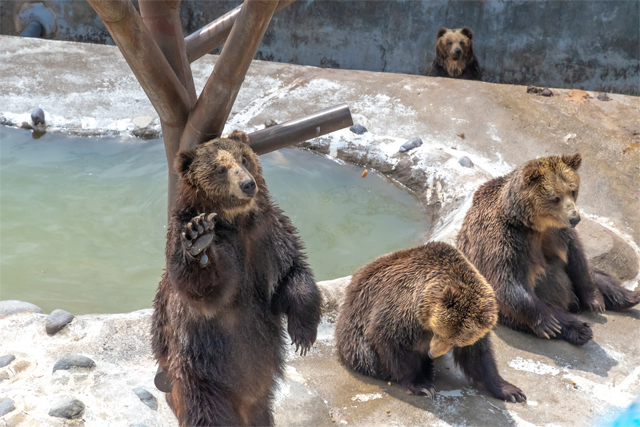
198, 235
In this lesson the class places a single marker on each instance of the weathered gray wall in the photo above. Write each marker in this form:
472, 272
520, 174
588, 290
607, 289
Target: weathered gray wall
594, 45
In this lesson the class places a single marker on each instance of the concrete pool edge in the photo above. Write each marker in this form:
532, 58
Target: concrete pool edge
496, 126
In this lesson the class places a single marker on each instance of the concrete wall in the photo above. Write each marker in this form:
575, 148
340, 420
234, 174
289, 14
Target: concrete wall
594, 45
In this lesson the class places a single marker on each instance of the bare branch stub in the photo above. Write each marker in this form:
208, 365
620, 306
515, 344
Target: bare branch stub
209, 115
213, 35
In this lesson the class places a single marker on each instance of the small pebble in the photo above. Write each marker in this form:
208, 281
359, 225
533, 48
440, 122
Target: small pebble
603, 97
57, 320
365, 173
410, 144
10, 307
461, 135
6, 360
389, 383
37, 116
358, 129
466, 162
67, 408
73, 361
388, 411
146, 398
270, 123
6, 406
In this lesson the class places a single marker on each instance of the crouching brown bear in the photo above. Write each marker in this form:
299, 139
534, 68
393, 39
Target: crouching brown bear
454, 55
406, 308
519, 233
235, 266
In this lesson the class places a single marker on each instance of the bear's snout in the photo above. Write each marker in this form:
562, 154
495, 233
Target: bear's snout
456, 53
248, 187
574, 221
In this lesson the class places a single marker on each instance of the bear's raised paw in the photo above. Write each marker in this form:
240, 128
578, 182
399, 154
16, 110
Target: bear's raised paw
198, 235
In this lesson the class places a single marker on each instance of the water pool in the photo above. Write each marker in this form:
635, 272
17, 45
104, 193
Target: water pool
83, 220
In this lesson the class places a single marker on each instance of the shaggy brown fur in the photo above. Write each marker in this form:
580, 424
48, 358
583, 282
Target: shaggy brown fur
405, 308
217, 326
454, 55
519, 234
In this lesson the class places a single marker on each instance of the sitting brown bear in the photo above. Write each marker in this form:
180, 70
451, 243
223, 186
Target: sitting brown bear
519, 233
454, 55
406, 308
217, 326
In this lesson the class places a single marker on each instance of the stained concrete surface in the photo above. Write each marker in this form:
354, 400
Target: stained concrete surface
89, 90
591, 45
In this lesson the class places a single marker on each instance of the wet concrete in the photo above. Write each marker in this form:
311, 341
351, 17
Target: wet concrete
87, 89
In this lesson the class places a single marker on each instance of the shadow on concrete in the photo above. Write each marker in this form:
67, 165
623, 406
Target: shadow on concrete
588, 358
457, 400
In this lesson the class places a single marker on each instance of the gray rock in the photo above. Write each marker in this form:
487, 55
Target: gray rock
603, 97
11, 307
358, 129
546, 92
146, 398
607, 251
6, 360
37, 116
57, 320
410, 144
466, 162
67, 408
74, 361
270, 123
6, 406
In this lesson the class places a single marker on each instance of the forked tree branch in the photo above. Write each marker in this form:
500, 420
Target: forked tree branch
209, 115
213, 35
162, 19
165, 91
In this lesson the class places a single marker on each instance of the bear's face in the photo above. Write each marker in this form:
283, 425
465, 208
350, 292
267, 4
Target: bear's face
551, 187
454, 47
459, 318
223, 169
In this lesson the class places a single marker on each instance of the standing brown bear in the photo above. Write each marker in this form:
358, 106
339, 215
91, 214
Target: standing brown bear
519, 233
406, 308
454, 55
217, 326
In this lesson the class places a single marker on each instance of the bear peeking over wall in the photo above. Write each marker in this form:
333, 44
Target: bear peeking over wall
519, 233
454, 55
408, 307
235, 266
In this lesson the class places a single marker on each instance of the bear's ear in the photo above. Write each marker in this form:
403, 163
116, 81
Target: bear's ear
531, 173
573, 162
183, 161
467, 32
441, 32
240, 136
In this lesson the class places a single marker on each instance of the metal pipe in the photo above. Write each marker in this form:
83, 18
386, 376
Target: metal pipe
209, 115
214, 34
301, 129
34, 29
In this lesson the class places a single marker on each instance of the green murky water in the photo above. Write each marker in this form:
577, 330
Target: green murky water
83, 220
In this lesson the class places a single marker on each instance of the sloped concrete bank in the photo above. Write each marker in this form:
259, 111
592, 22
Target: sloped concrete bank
89, 90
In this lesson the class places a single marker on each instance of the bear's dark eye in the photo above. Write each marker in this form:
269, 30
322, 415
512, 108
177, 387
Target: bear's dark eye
556, 200
222, 171
449, 43
462, 44
573, 194
244, 161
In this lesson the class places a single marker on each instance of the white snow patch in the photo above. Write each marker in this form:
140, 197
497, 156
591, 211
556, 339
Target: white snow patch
529, 365
366, 397
291, 373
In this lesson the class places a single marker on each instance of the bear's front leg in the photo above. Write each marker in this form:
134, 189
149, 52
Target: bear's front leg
478, 364
197, 236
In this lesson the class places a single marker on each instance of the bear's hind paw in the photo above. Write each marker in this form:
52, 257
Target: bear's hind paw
509, 393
